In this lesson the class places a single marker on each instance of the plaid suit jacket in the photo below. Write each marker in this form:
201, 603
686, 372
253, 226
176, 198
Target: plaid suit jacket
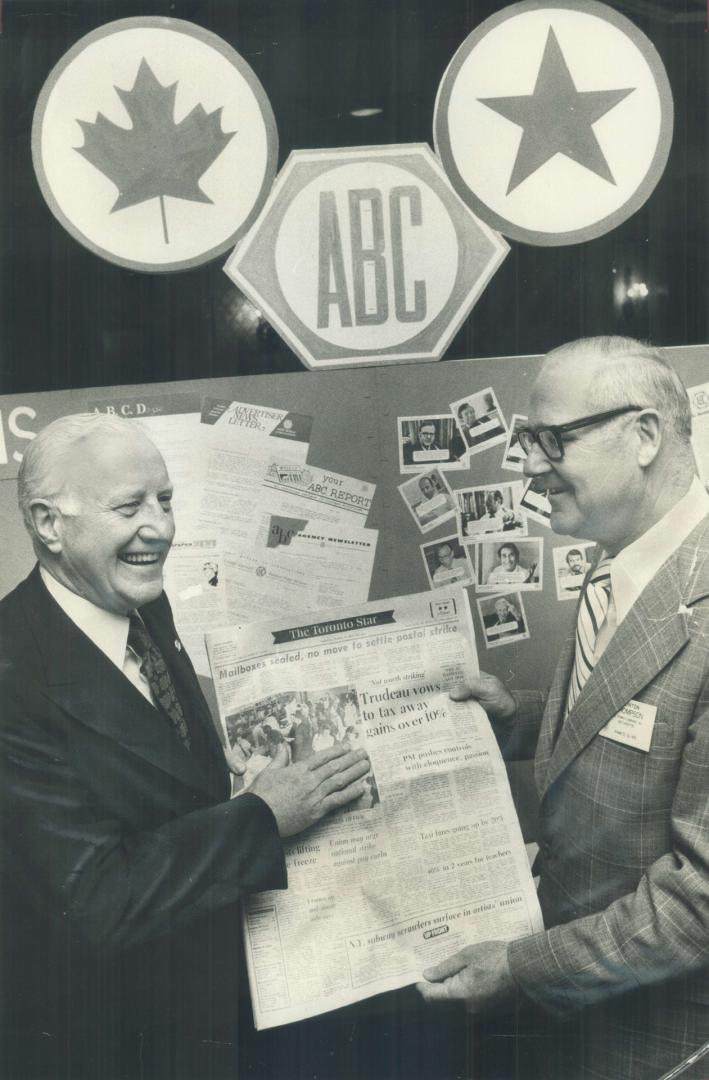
624, 837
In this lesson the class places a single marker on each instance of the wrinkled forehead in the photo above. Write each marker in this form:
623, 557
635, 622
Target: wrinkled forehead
562, 389
103, 463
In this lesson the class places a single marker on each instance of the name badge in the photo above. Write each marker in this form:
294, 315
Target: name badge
633, 725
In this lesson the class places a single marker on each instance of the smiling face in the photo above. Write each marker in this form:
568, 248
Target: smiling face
597, 488
114, 523
503, 610
508, 557
574, 561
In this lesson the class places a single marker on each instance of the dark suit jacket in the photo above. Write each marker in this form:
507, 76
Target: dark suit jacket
624, 838
410, 448
122, 857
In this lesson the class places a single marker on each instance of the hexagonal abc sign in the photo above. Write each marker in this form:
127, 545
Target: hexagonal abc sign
365, 256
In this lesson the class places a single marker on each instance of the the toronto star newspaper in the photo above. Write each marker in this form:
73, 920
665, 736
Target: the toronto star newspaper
431, 858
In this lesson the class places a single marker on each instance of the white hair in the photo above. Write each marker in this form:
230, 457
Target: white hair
634, 373
40, 475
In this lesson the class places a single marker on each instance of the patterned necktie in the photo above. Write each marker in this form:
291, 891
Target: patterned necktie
593, 609
155, 670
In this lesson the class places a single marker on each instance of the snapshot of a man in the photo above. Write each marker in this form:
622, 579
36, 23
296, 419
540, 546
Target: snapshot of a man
509, 570
421, 449
451, 567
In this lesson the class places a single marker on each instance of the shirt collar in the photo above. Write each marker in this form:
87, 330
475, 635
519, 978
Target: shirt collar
108, 632
637, 564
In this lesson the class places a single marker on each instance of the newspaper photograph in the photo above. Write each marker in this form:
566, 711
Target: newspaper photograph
431, 858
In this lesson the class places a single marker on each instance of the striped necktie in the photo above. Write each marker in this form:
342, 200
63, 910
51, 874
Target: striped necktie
593, 609
157, 674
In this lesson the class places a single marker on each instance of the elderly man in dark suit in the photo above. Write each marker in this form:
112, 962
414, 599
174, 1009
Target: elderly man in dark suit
622, 747
123, 857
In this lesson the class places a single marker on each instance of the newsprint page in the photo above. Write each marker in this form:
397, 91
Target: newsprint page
430, 858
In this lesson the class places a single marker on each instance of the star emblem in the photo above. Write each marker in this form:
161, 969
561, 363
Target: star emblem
557, 118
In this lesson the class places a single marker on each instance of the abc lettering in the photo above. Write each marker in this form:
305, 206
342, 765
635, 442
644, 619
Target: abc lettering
372, 257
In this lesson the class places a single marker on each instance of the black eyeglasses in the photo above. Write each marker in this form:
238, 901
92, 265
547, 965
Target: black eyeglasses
549, 438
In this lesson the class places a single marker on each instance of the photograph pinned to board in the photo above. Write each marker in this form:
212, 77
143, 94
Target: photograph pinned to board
491, 511
429, 440
506, 564
448, 562
571, 564
503, 619
428, 499
479, 420
536, 505
514, 455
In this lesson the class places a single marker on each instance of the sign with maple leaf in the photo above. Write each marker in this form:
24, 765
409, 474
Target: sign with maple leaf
154, 143
554, 120
155, 157
365, 255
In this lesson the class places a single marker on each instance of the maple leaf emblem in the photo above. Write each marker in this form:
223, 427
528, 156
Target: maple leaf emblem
155, 157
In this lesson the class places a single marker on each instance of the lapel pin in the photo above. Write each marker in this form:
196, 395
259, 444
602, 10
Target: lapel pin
178, 645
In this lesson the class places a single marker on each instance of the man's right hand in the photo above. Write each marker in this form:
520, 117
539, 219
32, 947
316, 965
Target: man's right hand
492, 694
300, 794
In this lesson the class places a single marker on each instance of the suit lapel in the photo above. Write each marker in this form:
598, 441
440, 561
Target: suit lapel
554, 711
121, 713
650, 636
556, 699
84, 682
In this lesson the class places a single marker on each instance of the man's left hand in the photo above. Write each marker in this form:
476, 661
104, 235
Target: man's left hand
479, 975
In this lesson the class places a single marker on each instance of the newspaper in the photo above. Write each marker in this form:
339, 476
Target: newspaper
240, 442
196, 584
316, 494
431, 858
289, 564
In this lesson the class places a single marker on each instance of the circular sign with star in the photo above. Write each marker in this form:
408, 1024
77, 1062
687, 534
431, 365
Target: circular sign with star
554, 120
154, 143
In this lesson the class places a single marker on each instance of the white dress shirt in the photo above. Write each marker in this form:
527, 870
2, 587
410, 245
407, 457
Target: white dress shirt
107, 631
499, 576
638, 563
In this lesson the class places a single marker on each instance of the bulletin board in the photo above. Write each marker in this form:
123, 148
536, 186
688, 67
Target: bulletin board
356, 432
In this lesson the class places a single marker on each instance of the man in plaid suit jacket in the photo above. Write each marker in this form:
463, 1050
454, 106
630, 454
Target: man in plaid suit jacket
621, 973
